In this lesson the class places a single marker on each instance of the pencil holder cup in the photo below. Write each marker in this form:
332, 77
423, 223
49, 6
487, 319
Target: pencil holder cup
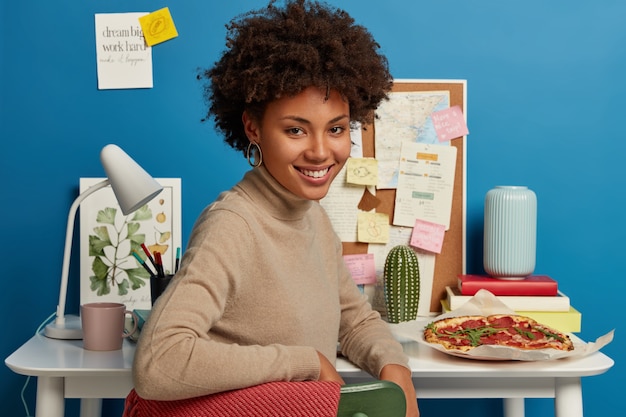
510, 232
158, 285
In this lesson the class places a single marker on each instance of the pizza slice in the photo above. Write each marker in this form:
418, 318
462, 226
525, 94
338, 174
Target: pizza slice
464, 333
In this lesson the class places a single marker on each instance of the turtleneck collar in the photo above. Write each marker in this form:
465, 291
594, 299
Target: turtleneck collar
281, 203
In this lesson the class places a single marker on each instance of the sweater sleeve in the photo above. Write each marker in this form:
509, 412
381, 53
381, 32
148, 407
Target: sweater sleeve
182, 352
364, 337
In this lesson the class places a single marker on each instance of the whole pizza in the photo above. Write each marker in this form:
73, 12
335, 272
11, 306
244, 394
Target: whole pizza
464, 333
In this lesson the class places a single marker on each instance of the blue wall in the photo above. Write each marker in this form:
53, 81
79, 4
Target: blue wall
545, 97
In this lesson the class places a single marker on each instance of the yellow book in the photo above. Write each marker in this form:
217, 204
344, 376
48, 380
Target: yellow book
565, 321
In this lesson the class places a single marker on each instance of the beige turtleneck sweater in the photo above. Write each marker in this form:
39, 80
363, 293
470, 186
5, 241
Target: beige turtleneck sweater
262, 287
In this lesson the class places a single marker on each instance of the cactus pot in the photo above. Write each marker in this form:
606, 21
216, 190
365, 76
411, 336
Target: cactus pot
401, 284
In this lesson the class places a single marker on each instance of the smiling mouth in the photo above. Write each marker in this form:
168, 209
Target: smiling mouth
314, 173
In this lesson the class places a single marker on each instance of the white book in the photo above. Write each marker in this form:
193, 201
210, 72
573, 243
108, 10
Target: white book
559, 302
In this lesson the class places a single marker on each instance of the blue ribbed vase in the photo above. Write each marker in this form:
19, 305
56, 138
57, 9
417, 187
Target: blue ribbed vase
510, 232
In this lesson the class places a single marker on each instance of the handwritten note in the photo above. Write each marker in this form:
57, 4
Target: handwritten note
428, 236
340, 203
362, 171
123, 58
449, 124
362, 268
373, 227
158, 26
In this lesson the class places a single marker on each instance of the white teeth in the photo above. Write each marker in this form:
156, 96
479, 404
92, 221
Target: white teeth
315, 174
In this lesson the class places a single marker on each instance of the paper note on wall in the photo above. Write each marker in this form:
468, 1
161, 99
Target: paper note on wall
362, 268
428, 236
425, 184
342, 199
158, 26
362, 171
123, 58
449, 124
341, 203
373, 227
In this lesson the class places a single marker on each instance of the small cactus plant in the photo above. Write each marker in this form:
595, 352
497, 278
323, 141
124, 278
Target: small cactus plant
402, 284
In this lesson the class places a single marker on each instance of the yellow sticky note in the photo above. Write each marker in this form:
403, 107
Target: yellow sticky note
362, 171
158, 26
372, 227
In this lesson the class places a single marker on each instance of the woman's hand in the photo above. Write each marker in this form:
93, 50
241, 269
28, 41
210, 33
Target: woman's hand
328, 371
402, 376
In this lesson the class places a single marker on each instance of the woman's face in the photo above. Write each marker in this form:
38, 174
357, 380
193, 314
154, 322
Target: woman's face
305, 140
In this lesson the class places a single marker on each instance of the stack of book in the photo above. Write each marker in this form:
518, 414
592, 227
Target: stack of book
536, 296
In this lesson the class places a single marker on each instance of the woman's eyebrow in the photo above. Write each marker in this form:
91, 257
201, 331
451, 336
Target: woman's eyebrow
306, 121
338, 118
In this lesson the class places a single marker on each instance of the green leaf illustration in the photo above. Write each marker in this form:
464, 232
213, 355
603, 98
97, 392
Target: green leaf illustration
107, 215
132, 229
122, 287
99, 285
99, 241
99, 268
144, 213
103, 233
137, 277
106, 275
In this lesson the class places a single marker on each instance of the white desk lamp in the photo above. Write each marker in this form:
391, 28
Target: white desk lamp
133, 187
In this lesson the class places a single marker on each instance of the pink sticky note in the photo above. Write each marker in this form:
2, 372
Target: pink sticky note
428, 236
361, 267
449, 123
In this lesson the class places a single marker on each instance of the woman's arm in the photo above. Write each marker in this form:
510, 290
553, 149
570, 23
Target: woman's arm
191, 346
402, 376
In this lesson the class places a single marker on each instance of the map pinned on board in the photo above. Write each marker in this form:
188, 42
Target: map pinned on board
406, 116
158, 26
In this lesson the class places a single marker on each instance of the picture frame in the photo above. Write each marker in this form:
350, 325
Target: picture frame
109, 271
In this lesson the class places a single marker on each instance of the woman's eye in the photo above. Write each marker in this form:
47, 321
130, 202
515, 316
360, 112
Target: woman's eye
337, 130
294, 131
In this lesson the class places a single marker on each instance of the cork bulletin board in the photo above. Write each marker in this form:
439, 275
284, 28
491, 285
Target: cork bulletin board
451, 261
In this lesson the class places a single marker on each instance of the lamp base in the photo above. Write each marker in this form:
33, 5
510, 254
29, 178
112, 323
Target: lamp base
70, 330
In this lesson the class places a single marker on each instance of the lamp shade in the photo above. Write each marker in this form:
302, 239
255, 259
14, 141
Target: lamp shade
132, 185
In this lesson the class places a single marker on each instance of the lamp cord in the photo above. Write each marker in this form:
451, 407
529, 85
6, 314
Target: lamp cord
41, 326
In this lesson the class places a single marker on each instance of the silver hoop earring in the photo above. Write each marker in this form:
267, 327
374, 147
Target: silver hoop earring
254, 156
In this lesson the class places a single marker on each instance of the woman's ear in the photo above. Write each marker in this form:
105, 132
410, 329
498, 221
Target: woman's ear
251, 127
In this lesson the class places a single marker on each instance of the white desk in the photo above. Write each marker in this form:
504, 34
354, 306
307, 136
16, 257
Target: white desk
65, 370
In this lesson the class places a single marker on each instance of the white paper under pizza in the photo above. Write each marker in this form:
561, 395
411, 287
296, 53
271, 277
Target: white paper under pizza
484, 303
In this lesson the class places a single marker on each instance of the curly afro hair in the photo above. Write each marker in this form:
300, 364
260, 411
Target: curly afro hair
276, 52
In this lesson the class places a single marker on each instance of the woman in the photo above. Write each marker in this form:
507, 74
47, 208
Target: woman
263, 293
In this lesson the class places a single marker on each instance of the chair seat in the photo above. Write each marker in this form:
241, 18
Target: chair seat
281, 399
273, 399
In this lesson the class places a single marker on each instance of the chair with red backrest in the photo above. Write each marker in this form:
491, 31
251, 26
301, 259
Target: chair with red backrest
282, 399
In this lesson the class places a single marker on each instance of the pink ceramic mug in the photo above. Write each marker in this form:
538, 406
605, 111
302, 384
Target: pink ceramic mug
103, 325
